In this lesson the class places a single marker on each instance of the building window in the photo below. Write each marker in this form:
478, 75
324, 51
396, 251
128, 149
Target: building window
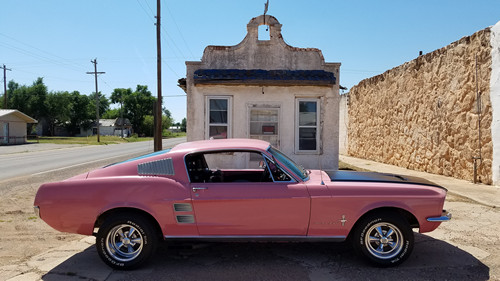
218, 117
307, 130
264, 124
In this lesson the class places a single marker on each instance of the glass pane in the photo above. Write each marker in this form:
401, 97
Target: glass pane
218, 117
307, 119
218, 132
307, 113
218, 104
307, 106
263, 128
307, 139
264, 115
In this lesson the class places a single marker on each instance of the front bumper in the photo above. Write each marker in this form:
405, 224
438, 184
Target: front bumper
446, 216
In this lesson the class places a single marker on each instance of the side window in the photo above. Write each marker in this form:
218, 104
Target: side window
218, 117
307, 122
227, 166
277, 173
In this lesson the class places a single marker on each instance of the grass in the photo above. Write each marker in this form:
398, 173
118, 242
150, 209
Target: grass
91, 140
104, 140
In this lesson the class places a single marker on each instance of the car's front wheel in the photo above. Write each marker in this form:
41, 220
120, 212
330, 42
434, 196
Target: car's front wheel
126, 241
384, 239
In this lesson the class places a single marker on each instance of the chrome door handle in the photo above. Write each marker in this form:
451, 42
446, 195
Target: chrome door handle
195, 189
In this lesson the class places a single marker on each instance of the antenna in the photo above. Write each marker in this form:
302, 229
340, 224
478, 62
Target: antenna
320, 170
266, 6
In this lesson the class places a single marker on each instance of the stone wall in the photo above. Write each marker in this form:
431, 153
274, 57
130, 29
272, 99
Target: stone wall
423, 115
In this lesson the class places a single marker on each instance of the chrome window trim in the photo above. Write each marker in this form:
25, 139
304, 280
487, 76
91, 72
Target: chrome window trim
292, 179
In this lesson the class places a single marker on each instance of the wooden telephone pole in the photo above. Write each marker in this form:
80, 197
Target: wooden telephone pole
5, 86
96, 96
157, 129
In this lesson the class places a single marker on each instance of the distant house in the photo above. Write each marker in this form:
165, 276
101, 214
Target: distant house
110, 127
13, 126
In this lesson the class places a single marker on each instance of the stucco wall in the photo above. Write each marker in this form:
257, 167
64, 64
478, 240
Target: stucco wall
283, 97
422, 115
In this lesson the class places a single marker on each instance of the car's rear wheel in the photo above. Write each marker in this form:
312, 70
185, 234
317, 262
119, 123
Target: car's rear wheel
125, 241
384, 239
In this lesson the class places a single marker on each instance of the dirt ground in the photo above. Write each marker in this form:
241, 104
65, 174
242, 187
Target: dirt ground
23, 233
467, 248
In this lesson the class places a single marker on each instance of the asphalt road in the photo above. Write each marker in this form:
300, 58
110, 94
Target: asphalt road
44, 161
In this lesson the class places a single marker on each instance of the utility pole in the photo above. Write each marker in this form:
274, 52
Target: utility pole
5, 86
157, 130
96, 96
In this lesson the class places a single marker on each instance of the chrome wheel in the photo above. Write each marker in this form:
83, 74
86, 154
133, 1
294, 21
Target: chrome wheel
124, 242
384, 240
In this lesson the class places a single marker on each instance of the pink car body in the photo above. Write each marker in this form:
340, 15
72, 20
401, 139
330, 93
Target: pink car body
288, 205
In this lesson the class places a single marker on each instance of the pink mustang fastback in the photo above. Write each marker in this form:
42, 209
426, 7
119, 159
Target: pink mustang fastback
243, 190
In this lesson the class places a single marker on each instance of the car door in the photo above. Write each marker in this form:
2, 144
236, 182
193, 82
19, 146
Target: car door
265, 208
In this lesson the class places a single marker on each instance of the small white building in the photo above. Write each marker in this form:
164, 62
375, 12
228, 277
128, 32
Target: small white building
110, 127
13, 126
269, 90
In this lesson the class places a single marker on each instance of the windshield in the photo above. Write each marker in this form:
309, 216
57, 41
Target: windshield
292, 166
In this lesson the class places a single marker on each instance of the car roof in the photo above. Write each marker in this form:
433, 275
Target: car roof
221, 144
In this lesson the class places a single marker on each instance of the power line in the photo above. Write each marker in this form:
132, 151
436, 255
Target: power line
178, 30
150, 16
62, 61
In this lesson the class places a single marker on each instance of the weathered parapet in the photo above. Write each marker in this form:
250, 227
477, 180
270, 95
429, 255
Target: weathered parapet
423, 115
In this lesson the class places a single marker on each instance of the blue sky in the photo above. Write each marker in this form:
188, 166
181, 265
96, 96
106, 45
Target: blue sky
57, 40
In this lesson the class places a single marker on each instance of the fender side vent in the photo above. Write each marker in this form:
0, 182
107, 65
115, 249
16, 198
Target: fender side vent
183, 207
185, 219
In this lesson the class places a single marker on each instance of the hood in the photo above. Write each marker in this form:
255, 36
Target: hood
379, 177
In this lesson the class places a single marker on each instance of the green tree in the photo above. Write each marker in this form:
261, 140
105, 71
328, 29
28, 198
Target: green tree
147, 125
103, 104
111, 113
166, 119
184, 124
118, 95
31, 100
59, 106
136, 106
82, 112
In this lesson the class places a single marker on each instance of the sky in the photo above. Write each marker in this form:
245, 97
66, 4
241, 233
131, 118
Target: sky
57, 39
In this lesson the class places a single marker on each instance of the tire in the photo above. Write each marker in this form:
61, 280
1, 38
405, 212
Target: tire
126, 241
384, 239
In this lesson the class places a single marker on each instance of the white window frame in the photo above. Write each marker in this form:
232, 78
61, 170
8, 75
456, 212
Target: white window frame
317, 126
207, 115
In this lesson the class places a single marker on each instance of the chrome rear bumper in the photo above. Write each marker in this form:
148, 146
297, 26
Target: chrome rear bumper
446, 216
